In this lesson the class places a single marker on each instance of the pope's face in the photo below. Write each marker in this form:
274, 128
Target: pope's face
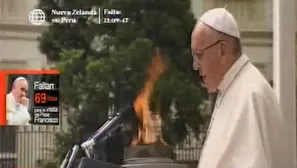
19, 90
206, 58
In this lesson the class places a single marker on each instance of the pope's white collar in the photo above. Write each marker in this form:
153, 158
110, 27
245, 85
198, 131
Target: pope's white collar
232, 72
13, 99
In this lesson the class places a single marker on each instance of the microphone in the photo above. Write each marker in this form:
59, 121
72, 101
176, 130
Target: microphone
109, 127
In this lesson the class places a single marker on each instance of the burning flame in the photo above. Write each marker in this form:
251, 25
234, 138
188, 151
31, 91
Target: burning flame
147, 131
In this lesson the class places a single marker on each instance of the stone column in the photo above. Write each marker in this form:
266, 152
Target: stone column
284, 29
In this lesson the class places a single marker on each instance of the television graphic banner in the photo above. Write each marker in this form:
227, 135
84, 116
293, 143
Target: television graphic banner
29, 97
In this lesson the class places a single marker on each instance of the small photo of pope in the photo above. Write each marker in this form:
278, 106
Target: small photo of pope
18, 100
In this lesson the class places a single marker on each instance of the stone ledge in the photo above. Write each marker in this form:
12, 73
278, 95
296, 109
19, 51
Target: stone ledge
22, 28
146, 151
258, 34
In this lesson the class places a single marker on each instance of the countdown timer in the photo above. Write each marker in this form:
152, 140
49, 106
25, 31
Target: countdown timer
46, 98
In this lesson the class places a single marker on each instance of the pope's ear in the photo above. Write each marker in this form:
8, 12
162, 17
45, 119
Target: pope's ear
223, 46
223, 50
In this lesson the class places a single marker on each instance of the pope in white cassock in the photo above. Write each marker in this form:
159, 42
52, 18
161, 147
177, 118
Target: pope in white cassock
247, 129
17, 103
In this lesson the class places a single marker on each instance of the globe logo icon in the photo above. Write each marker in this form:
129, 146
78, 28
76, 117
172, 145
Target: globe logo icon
36, 17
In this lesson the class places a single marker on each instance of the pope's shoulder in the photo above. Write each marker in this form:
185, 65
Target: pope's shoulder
8, 97
252, 82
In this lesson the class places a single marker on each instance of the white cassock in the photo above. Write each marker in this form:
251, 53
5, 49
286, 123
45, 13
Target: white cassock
16, 114
247, 128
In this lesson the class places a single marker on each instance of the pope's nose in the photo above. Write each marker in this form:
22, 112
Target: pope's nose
195, 66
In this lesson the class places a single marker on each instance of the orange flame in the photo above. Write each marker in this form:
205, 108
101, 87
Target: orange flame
147, 132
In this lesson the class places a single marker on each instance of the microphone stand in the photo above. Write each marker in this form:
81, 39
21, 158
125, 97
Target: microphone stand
107, 129
88, 146
70, 157
66, 159
100, 136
